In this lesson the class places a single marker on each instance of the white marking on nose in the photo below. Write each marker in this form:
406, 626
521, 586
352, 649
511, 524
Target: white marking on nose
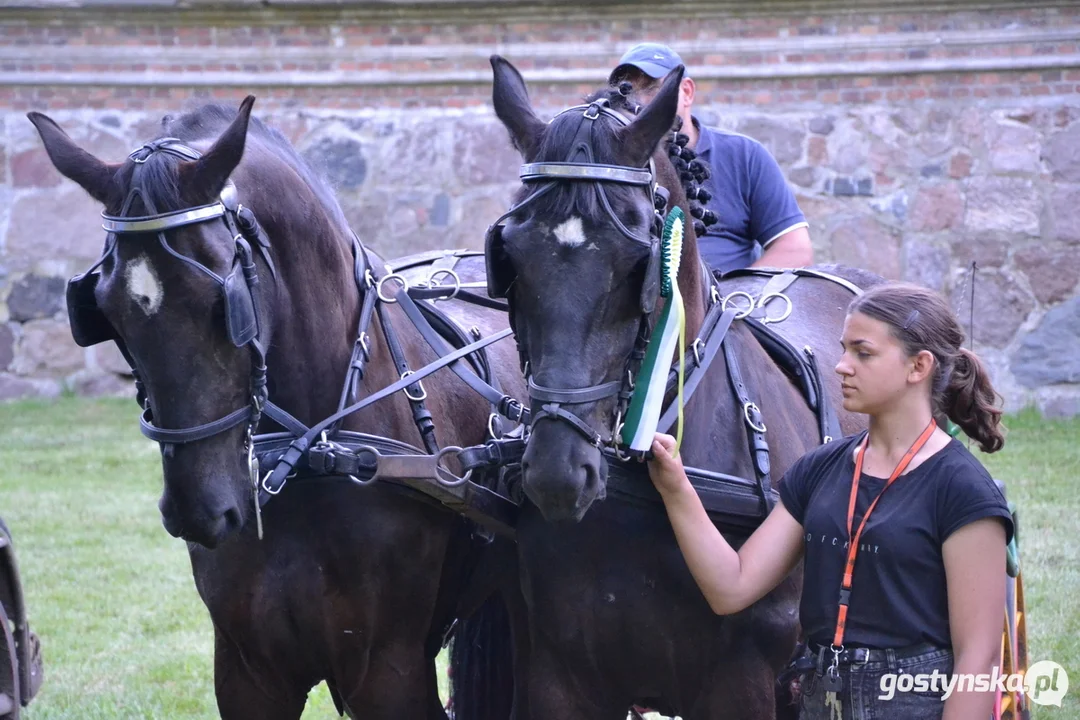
143, 285
570, 233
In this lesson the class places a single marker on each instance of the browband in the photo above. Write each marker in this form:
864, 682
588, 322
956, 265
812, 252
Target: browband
165, 221
579, 171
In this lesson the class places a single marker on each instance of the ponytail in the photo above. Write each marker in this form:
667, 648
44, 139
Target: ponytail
970, 401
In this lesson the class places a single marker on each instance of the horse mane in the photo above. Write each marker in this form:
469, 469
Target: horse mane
581, 198
577, 198
161, 170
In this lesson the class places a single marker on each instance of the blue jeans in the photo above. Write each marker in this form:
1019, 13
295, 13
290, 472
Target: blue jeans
860, 697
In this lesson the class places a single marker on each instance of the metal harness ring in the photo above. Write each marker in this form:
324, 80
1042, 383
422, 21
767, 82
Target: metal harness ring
440, 272
401, 279
740, 314
368, 449
764, 300
443, 473
617, 441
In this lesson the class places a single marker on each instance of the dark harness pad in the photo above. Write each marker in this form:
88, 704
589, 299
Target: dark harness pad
89, 326
500, 273
650, 286
240, 321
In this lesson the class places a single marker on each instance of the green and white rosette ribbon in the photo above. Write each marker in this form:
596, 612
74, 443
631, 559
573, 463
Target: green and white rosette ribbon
647, 401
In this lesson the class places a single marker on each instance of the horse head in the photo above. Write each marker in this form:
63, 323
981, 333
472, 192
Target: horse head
177, 287
577, 259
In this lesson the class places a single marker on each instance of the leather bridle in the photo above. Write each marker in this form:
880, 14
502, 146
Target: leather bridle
547, 402
239, 287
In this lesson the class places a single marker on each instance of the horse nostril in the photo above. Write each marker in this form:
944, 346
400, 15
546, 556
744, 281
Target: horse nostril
232, 519
594, 482
592, 477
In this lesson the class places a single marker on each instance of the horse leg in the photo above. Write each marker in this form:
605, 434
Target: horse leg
242, 695
399, 684
552, 693
745, 690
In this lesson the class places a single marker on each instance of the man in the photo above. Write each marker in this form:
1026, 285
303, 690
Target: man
757, 210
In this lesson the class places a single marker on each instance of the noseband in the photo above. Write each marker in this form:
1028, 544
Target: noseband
239, 288
547, 402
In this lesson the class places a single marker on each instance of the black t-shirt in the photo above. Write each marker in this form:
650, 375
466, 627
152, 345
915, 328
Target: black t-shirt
898, 594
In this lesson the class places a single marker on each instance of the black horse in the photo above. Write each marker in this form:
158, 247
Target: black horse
351, 584
614, 616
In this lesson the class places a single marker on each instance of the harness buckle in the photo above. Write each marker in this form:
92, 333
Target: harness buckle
267, 488
757, 425
697, 346
594, 109
422, 396
514, 410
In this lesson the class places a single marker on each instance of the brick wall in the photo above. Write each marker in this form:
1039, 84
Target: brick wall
919, 140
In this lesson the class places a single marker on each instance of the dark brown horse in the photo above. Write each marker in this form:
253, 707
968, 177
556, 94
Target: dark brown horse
354, 585
614, 617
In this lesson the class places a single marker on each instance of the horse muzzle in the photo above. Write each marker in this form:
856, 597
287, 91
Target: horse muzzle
562, 474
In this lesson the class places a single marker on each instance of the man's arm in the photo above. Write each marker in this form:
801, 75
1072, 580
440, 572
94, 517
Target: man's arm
792, 249
775, 218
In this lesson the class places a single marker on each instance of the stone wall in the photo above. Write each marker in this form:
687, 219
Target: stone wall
921, 142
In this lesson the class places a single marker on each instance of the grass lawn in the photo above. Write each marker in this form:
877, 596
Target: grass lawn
124, 634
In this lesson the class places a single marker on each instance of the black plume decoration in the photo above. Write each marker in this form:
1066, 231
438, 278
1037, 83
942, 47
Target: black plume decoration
693, 172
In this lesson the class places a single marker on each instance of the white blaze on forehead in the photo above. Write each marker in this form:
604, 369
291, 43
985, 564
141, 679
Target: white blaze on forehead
570, 233
143, 285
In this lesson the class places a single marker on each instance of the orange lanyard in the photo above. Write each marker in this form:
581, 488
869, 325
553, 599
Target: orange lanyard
853, 544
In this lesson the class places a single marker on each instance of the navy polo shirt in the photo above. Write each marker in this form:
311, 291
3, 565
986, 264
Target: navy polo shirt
750, 196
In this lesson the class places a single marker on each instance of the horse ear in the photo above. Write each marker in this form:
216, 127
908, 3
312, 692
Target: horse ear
74, 163
641, 137
206, 177
512, 105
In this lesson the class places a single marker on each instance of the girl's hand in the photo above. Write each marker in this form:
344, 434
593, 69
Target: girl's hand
666, 468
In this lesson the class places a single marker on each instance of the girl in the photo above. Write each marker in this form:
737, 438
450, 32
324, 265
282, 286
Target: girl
902, 531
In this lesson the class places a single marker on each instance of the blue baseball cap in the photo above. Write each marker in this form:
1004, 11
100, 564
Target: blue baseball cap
653, 59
